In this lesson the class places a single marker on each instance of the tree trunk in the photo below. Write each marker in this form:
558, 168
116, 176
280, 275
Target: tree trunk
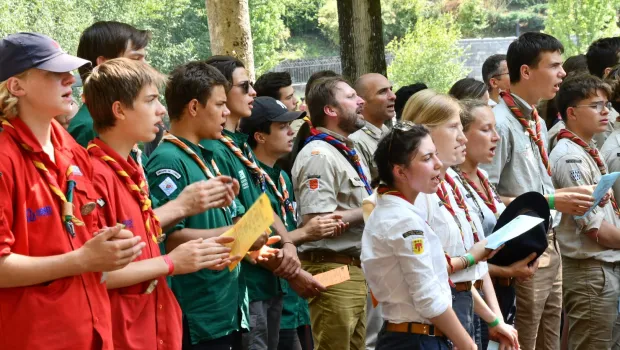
361, 38
229, 30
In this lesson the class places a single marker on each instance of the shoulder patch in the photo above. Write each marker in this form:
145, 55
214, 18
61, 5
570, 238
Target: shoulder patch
413, 233
313, 184
575, 161
315, 152
314, 176
169, 172
417, 246
575, 175
168, 186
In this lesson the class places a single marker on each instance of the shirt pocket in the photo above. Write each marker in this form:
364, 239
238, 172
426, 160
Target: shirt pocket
352, 193
85, 204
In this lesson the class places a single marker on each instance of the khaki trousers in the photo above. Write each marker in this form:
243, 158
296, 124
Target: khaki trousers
539, 303
338, 315
591, 292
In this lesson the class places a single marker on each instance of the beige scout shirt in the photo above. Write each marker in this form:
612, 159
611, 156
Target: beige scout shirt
553, 134
325, 181
610, 153
366, 140
517, 167
573, 166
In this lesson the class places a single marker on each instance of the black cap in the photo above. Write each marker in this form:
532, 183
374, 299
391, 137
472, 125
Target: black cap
22, 51
534, 240
267, 109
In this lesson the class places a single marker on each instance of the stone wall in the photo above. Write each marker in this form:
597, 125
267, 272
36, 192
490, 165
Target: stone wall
476, 50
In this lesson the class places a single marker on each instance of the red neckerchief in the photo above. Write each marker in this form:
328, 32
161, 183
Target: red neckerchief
536, 137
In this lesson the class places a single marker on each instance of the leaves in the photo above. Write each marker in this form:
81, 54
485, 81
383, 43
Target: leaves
429, 54
578, 23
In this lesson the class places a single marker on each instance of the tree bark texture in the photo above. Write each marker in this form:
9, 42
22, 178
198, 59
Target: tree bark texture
229, 30
361, 38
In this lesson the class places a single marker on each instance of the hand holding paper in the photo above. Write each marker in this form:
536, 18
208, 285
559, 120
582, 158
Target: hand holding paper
513, 229
604, 184
247, 230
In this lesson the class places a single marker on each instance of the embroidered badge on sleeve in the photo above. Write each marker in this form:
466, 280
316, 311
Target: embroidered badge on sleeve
575, 175
417, 246
168, 186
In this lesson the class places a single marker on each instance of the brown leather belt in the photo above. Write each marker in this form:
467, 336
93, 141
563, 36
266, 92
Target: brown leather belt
502, 281
414, 328
465, 286
329, 257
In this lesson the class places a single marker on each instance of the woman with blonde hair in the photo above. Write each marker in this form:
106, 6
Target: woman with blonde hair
460, 231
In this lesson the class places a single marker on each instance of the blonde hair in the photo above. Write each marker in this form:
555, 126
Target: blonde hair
430, 108
8, 101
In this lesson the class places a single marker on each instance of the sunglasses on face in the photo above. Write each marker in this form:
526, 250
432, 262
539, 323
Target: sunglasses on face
245, 86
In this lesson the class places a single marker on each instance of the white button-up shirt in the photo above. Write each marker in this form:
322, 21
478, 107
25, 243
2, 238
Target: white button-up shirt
404, 262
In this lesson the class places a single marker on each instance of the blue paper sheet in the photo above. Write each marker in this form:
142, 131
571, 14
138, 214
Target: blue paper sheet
515, 228
601, 190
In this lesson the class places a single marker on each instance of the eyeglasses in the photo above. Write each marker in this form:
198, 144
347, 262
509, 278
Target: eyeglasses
400, 126
598, 106
499, 75
245, 86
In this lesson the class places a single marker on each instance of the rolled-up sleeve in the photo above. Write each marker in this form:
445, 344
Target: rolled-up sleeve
569, 171
418, 273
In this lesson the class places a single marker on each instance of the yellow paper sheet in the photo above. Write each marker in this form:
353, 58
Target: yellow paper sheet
247, 230
334, 276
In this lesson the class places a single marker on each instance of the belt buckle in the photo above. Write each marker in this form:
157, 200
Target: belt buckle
431, 330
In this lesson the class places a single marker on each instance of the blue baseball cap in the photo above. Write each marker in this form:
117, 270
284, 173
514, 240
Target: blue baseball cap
22, 51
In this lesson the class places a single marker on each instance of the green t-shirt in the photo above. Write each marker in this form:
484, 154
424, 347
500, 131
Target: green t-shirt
215, 303
262, 283
295, 311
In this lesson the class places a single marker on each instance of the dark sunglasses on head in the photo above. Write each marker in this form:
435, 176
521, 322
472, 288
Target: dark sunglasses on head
400, 126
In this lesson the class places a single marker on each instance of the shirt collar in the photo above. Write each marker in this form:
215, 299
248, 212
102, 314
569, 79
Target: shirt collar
375, 132
525, 107
337, 136
129, 165
61, 140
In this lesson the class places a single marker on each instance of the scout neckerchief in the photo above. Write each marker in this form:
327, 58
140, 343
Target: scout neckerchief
66, 207
486, 196
460, 201
248, 162
536, 137
349, 153
190, 152
263, 177
593, 152
140, 192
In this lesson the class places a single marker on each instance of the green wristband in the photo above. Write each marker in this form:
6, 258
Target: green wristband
470, 260
551, 201
494, 323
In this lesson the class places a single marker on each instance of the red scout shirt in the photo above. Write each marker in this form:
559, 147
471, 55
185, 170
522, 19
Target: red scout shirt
139, 321
67, 313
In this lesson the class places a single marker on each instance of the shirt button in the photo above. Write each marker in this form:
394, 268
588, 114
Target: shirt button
96, 320
161, 306
161, 342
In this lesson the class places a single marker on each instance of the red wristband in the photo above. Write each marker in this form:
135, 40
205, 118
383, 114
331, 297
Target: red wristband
169, 263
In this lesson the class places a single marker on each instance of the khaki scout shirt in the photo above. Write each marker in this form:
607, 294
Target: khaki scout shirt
366, 140
610, 153
573, 166
517, 167
325, 181
552, 134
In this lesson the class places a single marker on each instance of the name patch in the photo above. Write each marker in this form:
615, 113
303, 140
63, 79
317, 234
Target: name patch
169, 172
573, 161
33, 215
413, 233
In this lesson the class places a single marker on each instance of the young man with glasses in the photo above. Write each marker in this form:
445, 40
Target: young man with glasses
521, 165
495, 75
589, 244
